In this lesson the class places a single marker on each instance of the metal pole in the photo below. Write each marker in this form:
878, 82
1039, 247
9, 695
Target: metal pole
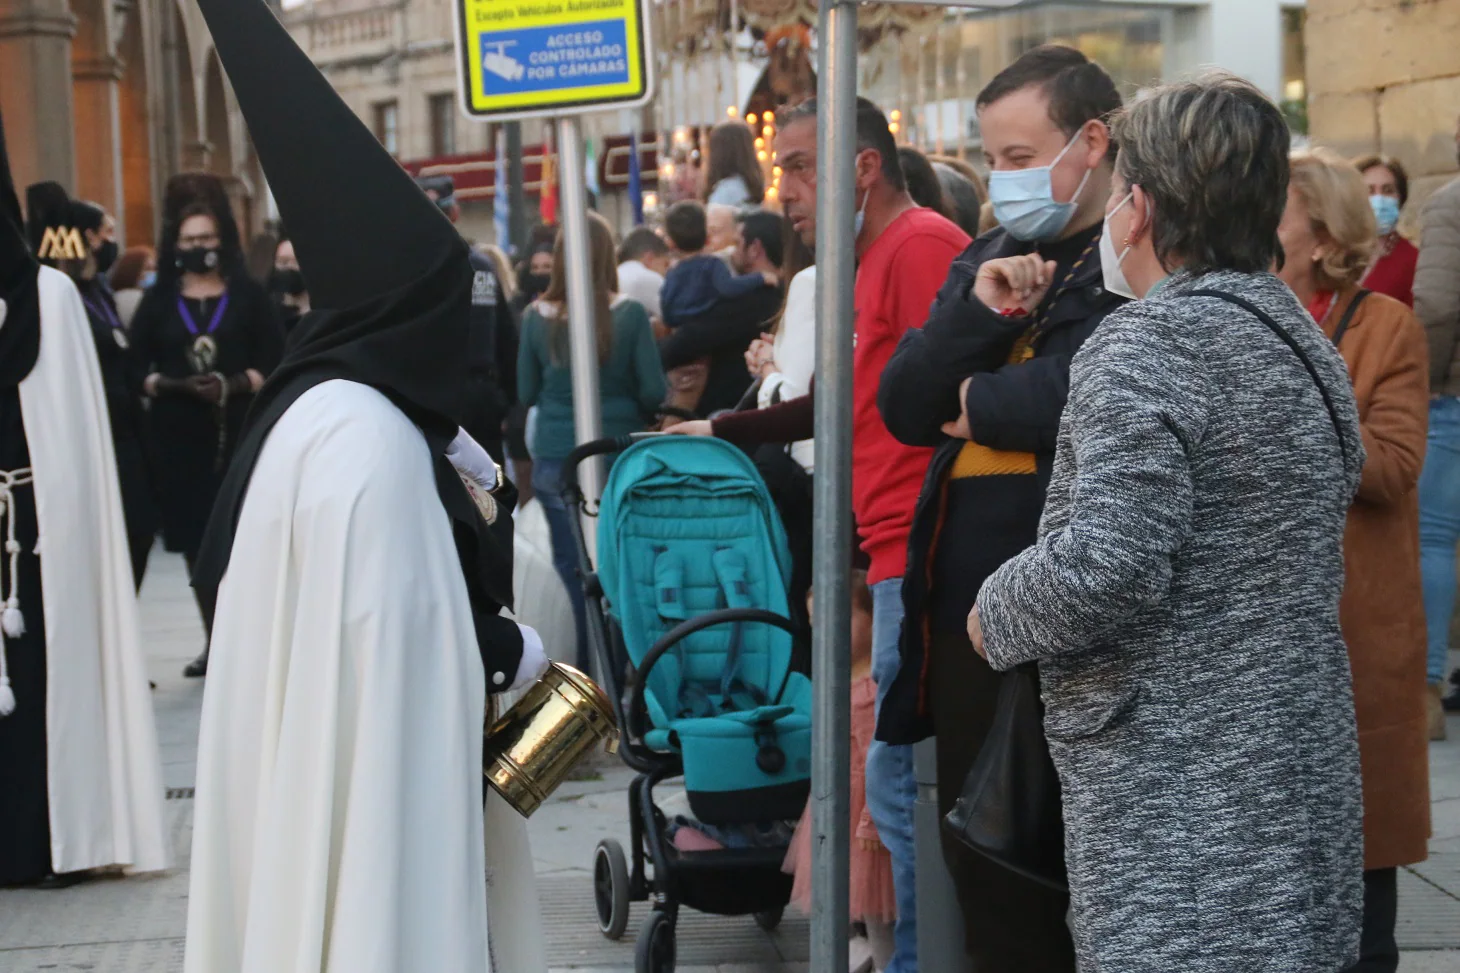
831, 553
516, 193
938, 86
582, 335
172, 148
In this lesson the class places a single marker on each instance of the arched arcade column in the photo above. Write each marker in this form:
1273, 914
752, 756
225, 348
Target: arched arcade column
96, 73
35, 89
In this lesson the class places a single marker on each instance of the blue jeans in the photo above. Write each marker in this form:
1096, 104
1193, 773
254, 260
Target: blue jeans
547, 475
891, 787
1439, 528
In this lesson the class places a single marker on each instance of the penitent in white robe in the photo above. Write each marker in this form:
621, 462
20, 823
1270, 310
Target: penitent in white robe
339, 824
104, 772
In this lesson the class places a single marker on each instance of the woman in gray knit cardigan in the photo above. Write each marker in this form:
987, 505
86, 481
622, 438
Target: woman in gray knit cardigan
1182, 601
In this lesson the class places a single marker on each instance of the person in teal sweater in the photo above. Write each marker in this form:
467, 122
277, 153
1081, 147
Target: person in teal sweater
631, 388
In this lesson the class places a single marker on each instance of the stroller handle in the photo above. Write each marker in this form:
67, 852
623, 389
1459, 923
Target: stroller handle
684, 630
596, 447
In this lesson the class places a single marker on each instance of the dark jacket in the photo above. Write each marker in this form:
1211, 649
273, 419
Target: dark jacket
722, 335
1010, 407
696, 285
493, 382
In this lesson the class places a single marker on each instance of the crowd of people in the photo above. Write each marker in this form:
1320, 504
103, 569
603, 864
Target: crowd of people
1163, 417
1175, 393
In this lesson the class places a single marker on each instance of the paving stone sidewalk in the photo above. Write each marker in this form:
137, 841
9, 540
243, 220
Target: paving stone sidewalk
136, 925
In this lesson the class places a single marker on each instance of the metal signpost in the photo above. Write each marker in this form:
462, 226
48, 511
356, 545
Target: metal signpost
940, 933
559, 59
831, 727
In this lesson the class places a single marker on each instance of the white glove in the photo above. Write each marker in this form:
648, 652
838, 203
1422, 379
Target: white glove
471, 460
534, 658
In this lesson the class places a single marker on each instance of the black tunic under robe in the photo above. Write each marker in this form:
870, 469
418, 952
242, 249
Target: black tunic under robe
185, 431
25, 830
122, 374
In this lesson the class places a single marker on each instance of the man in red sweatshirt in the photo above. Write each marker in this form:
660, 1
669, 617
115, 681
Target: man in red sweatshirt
903, 256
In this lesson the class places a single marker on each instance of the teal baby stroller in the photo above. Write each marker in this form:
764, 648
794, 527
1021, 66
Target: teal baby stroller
690, 634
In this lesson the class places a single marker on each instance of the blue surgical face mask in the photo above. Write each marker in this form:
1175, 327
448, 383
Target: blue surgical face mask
1386, 212
148, 279
1024, 202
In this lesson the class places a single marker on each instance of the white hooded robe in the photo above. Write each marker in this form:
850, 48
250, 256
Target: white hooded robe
339, 824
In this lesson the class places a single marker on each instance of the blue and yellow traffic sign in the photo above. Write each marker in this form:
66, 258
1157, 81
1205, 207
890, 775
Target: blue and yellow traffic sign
519, 58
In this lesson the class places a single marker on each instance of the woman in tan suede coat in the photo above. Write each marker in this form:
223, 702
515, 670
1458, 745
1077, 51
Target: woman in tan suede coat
1328, 233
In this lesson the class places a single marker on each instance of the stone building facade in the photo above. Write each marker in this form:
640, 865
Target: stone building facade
1384, 75
112, 97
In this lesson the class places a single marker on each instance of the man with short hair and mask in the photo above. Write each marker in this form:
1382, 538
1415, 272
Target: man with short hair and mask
903, 253
985, 381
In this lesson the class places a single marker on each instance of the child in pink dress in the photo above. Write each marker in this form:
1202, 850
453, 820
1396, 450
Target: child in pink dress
872, 900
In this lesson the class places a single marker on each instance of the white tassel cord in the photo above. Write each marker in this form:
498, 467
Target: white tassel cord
12, 622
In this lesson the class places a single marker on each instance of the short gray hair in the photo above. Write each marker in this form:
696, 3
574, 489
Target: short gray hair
1212, 155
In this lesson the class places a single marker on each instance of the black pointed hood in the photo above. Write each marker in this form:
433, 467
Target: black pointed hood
389, 279
20, 333
387, 272
360, 225
10, 214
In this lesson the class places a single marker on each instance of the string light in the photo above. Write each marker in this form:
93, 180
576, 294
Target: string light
732, 111
768, 132
771, 193
761, 155
893, 127
776, 172
760, 143
750, 119
896, 115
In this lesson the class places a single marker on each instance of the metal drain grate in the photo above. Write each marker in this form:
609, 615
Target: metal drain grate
180, 793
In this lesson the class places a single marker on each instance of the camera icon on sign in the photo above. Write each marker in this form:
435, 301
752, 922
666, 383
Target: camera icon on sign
499, 63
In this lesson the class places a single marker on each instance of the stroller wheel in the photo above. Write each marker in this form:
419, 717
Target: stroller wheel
654, 952
769, 919
611, 888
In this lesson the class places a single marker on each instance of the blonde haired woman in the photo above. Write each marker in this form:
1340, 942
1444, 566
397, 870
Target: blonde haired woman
1328, 234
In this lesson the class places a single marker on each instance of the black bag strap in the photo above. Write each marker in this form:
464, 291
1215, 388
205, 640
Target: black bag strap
1348, 316
1277, 329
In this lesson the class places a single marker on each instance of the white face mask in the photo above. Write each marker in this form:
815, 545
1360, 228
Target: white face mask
860, 218
1110, 261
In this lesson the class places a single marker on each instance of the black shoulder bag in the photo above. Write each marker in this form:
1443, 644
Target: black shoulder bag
1010, 809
